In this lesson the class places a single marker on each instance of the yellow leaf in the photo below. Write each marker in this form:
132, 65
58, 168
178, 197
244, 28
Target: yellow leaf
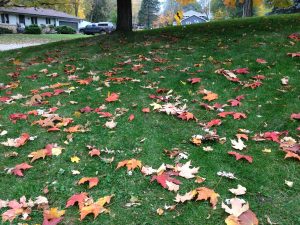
75, 159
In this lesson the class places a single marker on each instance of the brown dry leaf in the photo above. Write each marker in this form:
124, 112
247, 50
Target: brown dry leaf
130, 164
199, 179
160, 211
206, 193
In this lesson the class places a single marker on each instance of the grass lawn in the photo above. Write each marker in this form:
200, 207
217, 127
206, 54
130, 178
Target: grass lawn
156, 61
30, 38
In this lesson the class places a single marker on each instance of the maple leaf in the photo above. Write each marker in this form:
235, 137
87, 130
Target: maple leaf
294, 54
239, 144
104, 114
205, 194
17, 170
234, 102
186, 116
94, 152
210, 96
238, 206
238, 156
238, 116
93, 181
17, 116
261, 61
241, 71
77, 198
131, 117
232, 220
111, 124
194, 80
240, 190
130, 164
53, 213
86, 109
38, 154
186, 197
112, 97
215, 122
187, 172
295, 116
225, 114
18, 141
292, 155
95, 208
165, 177
75, 159
242, 136
52, 221
248, 218
146, 110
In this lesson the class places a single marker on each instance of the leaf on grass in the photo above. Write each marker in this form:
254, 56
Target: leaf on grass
94, 152
111, 124
186, 116
239, 144
185, 170
38, 154
146, 110
130, 164
238, 206
93, 181
75, 159
240, 190
77, 198
165, 177
210, 96
18, 141
18, 169
215, 122
95, 208
292, 155
186, 197
131, 117
238, 156
194, 80
112, 97
205, 193
295, 116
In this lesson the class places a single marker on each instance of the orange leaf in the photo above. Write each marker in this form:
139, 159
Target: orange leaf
244, 136
93, 181
206, 193
79, 198
146, 110
95, 208
292, 155
38, 154
248, 218
210, 96
130, 164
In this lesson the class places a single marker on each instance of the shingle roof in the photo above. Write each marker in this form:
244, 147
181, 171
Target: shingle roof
38, 12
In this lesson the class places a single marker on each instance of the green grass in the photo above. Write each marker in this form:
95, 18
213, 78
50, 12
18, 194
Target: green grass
32, 38
239, 42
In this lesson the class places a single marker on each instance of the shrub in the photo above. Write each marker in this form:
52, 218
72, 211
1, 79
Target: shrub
4, 30
33, 29
65, 30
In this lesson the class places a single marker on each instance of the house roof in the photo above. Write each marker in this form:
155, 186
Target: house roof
194, 16
193, 13
38, 12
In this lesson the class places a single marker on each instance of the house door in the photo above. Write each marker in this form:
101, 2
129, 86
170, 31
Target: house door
22, 19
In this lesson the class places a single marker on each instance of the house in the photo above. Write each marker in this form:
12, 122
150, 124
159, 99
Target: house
193, 17
11, 17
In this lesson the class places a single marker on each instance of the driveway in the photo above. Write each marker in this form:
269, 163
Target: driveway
16, 41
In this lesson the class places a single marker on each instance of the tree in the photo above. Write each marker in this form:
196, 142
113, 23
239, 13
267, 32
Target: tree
124, 15
102, 10
148, 12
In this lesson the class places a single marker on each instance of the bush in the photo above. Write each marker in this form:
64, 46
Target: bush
65, 30
33, 29
4, 30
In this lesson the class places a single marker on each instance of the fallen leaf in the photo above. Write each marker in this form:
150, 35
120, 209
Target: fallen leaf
93, 181
238, 156
239, 144
131, 117
130, 164
18, 169
206, 193
75, 159
240, 190
112, 97
238, 206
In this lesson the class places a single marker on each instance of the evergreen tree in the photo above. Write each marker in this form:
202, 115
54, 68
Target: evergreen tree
148, 12
101, 10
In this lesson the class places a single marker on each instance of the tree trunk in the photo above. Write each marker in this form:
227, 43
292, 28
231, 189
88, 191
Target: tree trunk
124, 21
248, 8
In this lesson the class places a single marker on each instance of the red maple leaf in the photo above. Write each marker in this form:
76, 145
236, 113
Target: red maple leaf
215, 122
164, 177
131, 117
94, 152
225, 114
234, 102
295, 116
17, 116
259, 77
86, 109
146, 110
17, 170
46, 94
186, 116
194, 80
54, 221
261, 61
238, 116
79, 198
239, 156
274, 135
4, 99
112, 97
58, 91
241, 71
105, 114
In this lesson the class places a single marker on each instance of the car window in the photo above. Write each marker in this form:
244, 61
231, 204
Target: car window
103, 24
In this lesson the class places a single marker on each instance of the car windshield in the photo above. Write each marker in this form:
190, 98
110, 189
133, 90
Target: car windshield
103, 24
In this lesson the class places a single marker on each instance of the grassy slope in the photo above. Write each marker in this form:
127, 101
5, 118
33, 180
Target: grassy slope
244, 42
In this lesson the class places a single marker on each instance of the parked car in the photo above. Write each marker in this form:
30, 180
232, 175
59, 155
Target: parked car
97, 28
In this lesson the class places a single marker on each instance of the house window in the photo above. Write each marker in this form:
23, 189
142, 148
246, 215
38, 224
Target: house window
33, 20
48, 21
4, 18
